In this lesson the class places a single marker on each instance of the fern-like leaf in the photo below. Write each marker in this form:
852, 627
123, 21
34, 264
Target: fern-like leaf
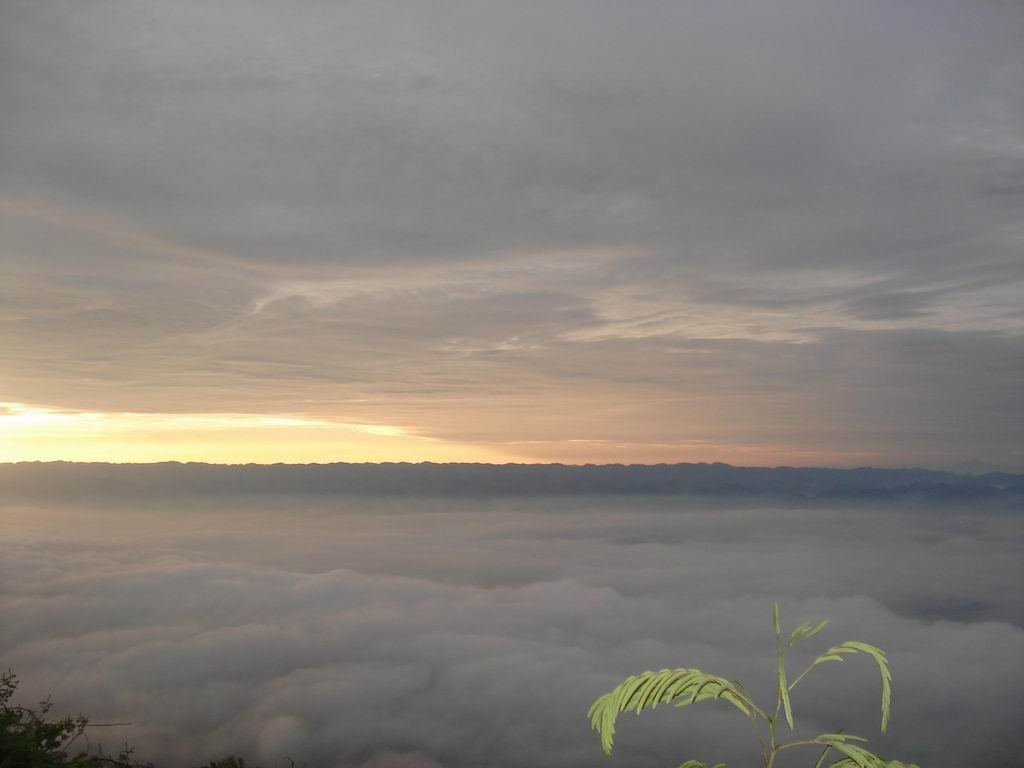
638, 692
849, 763
805, 632
855, 755
781, 667
854, 646
784, 693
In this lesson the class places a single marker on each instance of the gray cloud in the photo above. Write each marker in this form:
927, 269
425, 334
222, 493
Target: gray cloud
289, 210
389, 633
394, 133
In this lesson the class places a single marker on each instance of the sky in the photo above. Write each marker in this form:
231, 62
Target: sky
759, 233
439, 633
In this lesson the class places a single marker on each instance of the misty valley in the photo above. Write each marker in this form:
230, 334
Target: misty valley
441, 630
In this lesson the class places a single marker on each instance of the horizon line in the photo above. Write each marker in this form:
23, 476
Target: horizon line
176, 462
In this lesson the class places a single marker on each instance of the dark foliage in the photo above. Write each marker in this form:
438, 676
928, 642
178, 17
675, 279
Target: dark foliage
30, 739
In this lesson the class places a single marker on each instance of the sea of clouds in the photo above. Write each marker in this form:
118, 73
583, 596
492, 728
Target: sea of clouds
415, 633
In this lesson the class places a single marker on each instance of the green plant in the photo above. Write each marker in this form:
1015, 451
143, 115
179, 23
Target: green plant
685, 686
30, 739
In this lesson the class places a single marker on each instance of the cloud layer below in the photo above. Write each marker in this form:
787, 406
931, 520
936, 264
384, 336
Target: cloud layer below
395, 633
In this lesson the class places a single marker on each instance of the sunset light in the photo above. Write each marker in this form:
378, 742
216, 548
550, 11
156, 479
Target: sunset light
32, 433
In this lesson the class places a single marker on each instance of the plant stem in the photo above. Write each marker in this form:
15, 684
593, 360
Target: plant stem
821, 758
788, 744
801, 676
760, 740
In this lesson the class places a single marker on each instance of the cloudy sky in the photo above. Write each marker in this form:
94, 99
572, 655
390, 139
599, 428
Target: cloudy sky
762, 233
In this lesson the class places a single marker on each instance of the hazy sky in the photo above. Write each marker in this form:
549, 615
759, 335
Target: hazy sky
447, 634
763, 233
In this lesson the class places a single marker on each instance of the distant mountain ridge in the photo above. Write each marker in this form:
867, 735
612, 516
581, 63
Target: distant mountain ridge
47, 479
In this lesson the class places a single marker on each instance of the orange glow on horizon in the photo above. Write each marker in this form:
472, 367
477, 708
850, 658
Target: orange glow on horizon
33, 433
39, 433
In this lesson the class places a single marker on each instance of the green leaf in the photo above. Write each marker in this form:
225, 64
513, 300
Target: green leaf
805, 632
682, 687
855, 646
784, 693
860, 756
781, 667
856, 756
849, 763
883, 668
647, 690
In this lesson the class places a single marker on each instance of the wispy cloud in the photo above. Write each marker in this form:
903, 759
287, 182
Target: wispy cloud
703, 222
